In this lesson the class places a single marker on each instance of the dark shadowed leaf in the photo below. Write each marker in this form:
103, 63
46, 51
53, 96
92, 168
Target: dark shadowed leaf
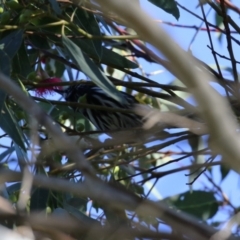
39, 42
20, 63
64, 113
55, 7
78, 203
169, 6
137, 189
39, 199
88, 23
5, 66
41, 20
103, 22
200, 204
90, 69
11, 43
68, 69
22, 157
114, 59
4, 192
10, 126
116, 217
60, 68
2, 100
57, 110
14, 188
108, 56
77, 207
145, 163
224, 171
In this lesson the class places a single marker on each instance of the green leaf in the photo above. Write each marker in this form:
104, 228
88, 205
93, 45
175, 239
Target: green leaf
11, 43
219, 23
10, 126
2, 100
4, 192
39, 42
21, 155
169, 6
14, 188
59, 69
39, 199
200, 204
56, 111
77, 207
90, 69
55, 7
60, 112
145, 163
20, 63
88, 23
103, 22
41, 20
136, 188
224, 171
109, 57
78, 203
5, 66
113, 59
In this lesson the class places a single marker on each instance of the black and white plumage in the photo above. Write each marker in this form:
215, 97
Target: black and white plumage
103, 120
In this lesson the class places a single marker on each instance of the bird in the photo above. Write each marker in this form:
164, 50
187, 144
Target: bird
103, 120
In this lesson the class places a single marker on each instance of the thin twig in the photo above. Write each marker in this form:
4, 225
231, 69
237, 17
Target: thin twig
229, 42
211, 43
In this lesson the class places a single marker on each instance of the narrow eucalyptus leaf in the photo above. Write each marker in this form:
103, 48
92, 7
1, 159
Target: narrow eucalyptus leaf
90, 69
11, 43
10, 126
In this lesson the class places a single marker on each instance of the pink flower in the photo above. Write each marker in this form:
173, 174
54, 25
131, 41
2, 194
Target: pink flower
41, 91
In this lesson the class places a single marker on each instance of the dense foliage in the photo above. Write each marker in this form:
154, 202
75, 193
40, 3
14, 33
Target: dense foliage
52, 44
